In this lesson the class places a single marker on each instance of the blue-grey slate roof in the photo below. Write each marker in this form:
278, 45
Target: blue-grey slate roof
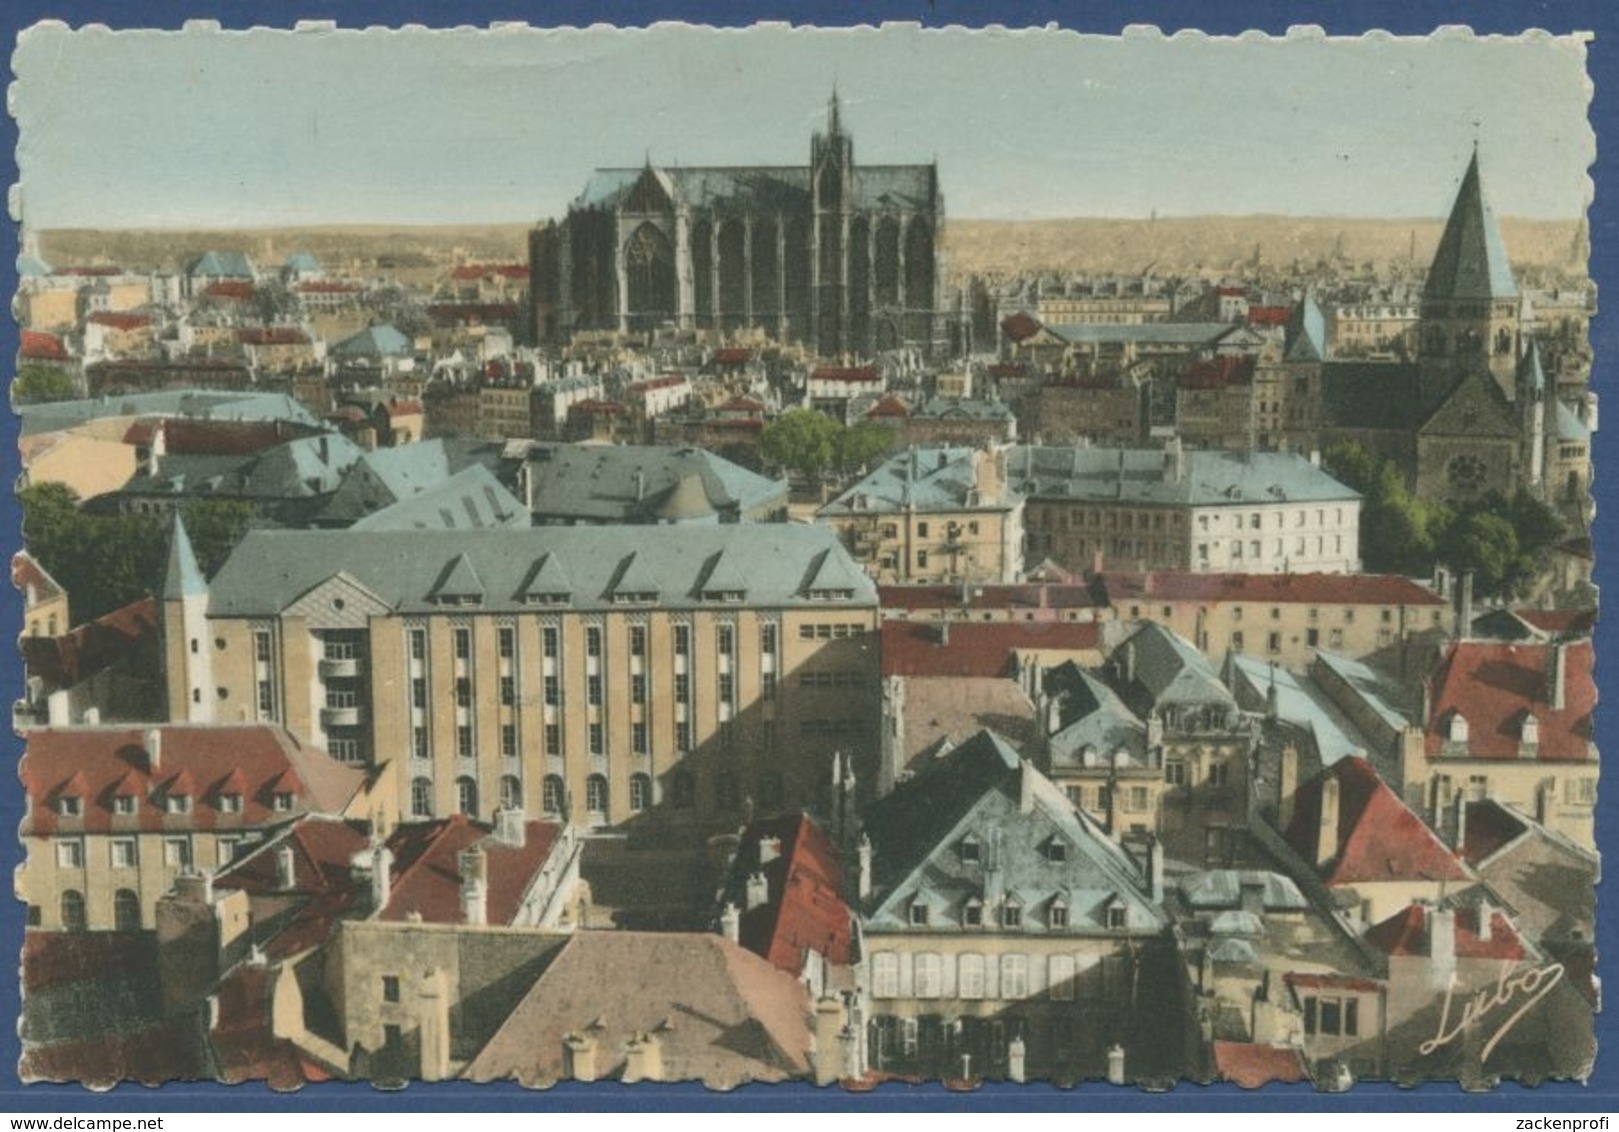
782, 563
221, 265
54, 416
1168, 671
1471, 260
1306, 332
31, 267
1299, 702
303, 263
182, 576
781, 188
1147, 333
1093, 726
951, 408
1530, 373
380, 341
471, 499
640, 484
302, 468
917, 479
1142, 476
1222, 889
1371, 688
979, 790
1569, 425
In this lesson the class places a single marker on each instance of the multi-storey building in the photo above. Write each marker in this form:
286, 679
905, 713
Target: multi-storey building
584, 672
1120, 508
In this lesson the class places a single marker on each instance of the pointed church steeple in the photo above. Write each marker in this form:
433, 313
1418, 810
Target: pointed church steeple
183, 575
834, 125
1471, 261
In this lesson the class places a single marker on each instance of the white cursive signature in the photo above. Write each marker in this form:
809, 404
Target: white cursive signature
1529, 984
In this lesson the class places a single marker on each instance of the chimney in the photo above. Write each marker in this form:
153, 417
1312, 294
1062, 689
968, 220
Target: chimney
286, 876
510, 828
828, 1022
433, 1017
1460, 833
474, 870
731, 923
758, 891
382, 862
1557, 678
1288, 787
863, 853
1326, 845
1115, 1064
154, 749
1486, 921
1129, 662
643, 1059
1441, 944
1155, 869
1026, 774
1464, 615
579, 1057
1015, 1060
769, 850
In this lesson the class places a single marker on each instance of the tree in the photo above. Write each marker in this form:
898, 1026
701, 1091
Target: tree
35, 384
215, 527
863, 443
103, 561
1485, 545
803, 440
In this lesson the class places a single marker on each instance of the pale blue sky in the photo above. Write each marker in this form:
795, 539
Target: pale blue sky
125, 129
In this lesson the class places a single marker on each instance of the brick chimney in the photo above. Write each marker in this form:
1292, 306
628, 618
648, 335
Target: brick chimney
382, 863
1464, 609
474, 870
1441, 945
152, 741
579, 1056
863, 854
1557, 678
769, 850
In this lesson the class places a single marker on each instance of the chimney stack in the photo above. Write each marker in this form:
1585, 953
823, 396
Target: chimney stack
579, 1057
286, 876
474, 870
510, 828
1464, 615
1326, 847
1486, 918
382, 862
758, 891
863, 853
731, 923
643, 1059
1441, 944
153, 740
1155, 869
769, 850
1115, 1064
1288, 787
1557, 678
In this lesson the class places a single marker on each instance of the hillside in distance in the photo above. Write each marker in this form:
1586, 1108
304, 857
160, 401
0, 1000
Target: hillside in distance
1208, 246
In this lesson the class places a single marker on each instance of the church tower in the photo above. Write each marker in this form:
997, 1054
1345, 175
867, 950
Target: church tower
831, 204
1470, 303
186, 645
1531, 381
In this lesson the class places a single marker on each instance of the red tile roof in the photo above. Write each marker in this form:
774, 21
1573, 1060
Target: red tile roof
193, 759
1406, 934
1020, 327
244, 1044
467, 272
983, 648
324, 885
1488, 826
1276, 589
272, 336
65, 661
741, 405
37, 346
1564, 622
120, 320
1494, 686
861, 374
427, 879
1305, 980
1054, 595
1219, 372
1269, 316
1251, 1066
889, 406
805, 910
236, 289
665, 381
731, 356
1378, 837
89, 270
187, 437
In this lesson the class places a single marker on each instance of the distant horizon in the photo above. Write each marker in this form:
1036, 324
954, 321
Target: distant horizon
131, 130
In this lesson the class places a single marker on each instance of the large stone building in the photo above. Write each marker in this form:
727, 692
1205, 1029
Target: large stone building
840, 256
585, 672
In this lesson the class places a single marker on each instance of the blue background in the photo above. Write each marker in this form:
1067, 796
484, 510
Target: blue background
1409, 17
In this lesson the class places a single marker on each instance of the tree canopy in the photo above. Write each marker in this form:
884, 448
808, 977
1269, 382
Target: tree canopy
36, 384
811, 443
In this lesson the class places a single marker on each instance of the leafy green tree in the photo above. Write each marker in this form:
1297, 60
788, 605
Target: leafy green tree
215, 527
103, 561
803, 440
1486, 545
35, 384
863, 443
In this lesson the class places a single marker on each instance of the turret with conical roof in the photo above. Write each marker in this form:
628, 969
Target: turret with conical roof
187, 657
182, 577
1470, 302
1532, 403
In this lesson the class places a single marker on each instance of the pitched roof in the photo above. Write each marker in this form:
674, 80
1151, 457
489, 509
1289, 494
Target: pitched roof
244, 1045
1141, 476
223, 264
67, 660
56, 416
1272, 589
1471, 260
381, 341
426, 871
1569, 426
113, 759
28, 575
639, 483
120, 320
783, 564
37, 346
1378, 838
980, 789
721, 1014
1251, 1065
1021, 596
1306, 334
976, 648
469, 500
182, 576
804, 910
1406, 933
1094, 727
1494, 686
919, 479
1155, 666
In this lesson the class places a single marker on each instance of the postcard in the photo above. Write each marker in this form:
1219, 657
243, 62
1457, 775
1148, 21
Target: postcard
838, 556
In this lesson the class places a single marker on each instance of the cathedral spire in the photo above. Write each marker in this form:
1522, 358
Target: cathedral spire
1471, 261
834, 126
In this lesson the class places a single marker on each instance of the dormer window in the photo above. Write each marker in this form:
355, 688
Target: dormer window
831, 595
972, 850
1012, 913
1116, 916
124, 805
972, 913
546, 599
920, 914
281, 802
69, 806
1530, 734
230, 803
1056, 849
1456, 728
1057, 914
635, 597
177, 804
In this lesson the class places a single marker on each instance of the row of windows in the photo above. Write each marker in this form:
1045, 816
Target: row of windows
126, 911
728, 793
928, 976
126, 805
124, 852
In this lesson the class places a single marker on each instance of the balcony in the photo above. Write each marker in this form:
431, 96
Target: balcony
351, 716
339, 667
